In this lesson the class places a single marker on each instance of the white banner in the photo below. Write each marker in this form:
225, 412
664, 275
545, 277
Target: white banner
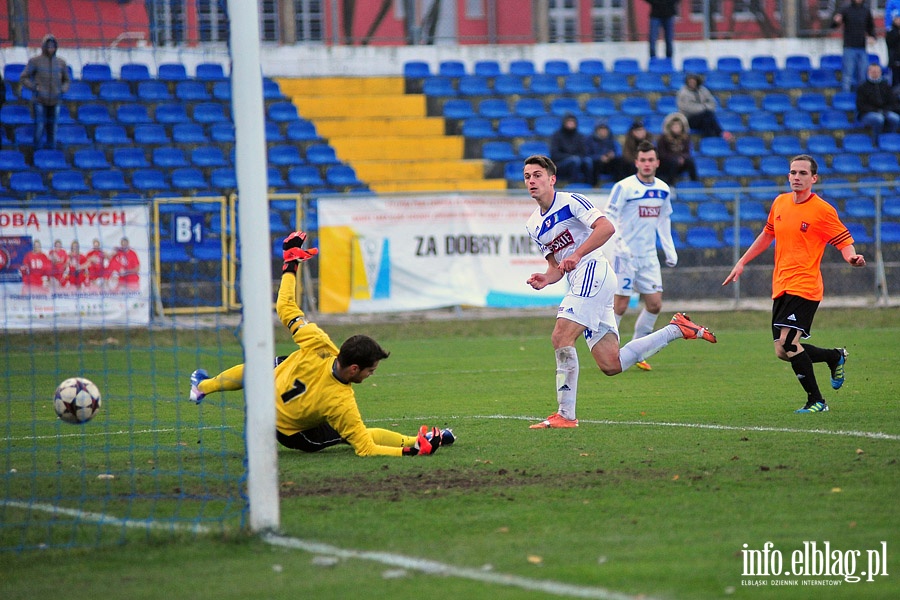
381, 254
74, 268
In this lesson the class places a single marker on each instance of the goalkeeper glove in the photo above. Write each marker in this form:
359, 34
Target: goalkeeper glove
294, 254
423, 444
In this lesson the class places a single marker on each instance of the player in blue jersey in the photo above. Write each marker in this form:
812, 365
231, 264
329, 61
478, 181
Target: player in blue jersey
569, 231
639, 207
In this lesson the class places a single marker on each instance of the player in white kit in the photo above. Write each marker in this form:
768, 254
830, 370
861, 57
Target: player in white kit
569, 230
639, 207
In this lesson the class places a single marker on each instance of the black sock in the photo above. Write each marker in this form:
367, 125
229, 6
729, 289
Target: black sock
803, 367
825, 355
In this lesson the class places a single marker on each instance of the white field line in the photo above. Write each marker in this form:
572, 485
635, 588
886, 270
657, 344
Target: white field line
421, 565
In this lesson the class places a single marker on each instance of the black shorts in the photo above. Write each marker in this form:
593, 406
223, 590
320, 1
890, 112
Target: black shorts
793, 312
311, 440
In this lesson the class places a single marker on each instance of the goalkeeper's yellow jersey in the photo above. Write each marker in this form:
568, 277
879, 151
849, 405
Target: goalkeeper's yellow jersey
307, 392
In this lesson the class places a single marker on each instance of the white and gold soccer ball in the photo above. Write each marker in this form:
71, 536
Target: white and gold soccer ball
76, 400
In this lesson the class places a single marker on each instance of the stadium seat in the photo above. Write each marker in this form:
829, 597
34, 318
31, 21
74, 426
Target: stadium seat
12, 160
458, 108
786, 145
798, 120
439, 87
890, 232
742, 103
79, 91
210, 72
702, 238
763, 121
715, 147
823, 79
221, 91
751, 145
531, 147
860, 233
68, 182
557, 67
188, 178
301, 130
788, 79
849, 164
512, 171
682, 213
666, 105
615, 83
486, 68
513, 127
833, 62
547, 125
478, 128
580, 83
562, 106
321, 154
695, 64
153, 92
544, 85
636, 106
591, 66
27, 182
12, 72
73, 135
473, 86
764, 63
798, 62
812, 102
884, 162
529, 108
134, 72
47, 159
169, 157
303, 177
285, 155
209, 157
149, 180
90, 159
108, 181
713, 212
341, 176
754, 81
626, 66
731, 121
273, 132
720, 81
777, 102
498, 151
754, 210
130, 158
729, 64
223, 133
821, 143
651, 83
834, 119
494, 108
271, 89
509, 85
223, 178
858, 143
891, 207
96, 72
191, 91
690, 191
209, 112
661, 65
189, 134
522, 68
774, 166
171, 113
600, 107
15, 114
151, 134
115, 91
171, 72
707, 167
889, 142
133, 114
416, 69
451, 68
280, 112
745, 236
859, 208
844, 101
94, 114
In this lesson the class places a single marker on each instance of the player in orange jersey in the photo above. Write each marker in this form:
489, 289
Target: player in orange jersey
801, 224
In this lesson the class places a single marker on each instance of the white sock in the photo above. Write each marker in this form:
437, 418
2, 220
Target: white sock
647, 346
566, 380
643, 325
618, 319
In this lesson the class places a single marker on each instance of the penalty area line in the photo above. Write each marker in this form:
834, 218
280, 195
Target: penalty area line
432, 567
104, 519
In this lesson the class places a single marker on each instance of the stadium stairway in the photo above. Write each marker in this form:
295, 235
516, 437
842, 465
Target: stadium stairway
385, 135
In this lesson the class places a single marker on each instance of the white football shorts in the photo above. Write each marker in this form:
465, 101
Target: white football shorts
589, 301
641, 275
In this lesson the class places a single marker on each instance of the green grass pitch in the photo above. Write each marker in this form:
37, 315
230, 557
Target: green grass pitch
670, 474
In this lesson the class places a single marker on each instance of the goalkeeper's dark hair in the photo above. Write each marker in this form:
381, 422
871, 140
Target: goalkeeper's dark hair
361, 350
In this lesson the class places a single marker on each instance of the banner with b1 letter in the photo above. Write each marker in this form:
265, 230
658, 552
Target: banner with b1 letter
74, 267
386, 254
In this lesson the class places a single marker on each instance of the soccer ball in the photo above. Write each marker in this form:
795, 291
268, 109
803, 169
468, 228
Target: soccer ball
76, 400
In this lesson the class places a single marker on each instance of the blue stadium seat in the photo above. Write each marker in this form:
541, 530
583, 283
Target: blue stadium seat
12, 160
153, 92
79, 91
788, 79
94, 114
47, 159
884, 162
729, 64
739, 166
661, 65
844, 101
798, 62
209, 157
96, 72
134, 72
73, 135
169, 157
636, 106
12, 72
458, 108
171, 113
341, 176
764, 63
90, 159
451, 68
777, 102
650, 83
151, 134
666, 105
221, 91
494, 108
273, 132
149, 180
751, 145
285, 155
720, 81
191, 91
473, 85
189, 178
271, 89
859, 208
786, 145
848, 164
702, 237
304, 177
580, 83
522, 68
858, 143
529, 108
774, 166
615, 83
171, 72
189, 134
280, 112
690, 191
742, 103
626, 66
591, 66
27, 182
486, 68
600, 106
416, 69
512, 171
754, 80
834, 119
745, 236
547, 125
822, 143
891, 207
707, 167
223, 133
714, 147
513, 127
763, 121
498, 151
209, 112
133, 114
545, 85
223, 178
754, 210
108, 181
210, 72
889, 142
812, 102
478, 128
321, 154
509, 85
823, 78
115, 91
731, 121
695, 64
682, 213
834, 62
68, 182
562, 106
130, 158
860, 233
890, 232
798, 120
557, 67
531, 147
439, 87
301, 130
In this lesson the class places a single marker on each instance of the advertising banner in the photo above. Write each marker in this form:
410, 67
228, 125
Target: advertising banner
74, 268
386, 254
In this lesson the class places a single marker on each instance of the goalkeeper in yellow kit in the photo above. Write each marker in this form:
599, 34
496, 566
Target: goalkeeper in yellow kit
315, 403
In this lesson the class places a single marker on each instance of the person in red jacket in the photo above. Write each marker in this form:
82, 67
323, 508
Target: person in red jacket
36, 270
59, 259
125, 267
96, 267
76, 268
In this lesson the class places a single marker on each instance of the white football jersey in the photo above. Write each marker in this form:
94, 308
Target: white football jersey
639, 211
565, 226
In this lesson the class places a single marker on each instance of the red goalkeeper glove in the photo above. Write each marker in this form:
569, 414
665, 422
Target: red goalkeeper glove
294, 254
423, 444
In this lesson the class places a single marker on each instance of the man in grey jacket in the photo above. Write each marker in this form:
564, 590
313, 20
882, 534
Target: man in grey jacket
47, 76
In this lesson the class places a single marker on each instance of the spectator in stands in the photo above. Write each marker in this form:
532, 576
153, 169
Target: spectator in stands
662, 14
698, 104
569, 150
892, 40
47, 76
859, 27
674, 149
891, 10
876, 105
606, 155
637, 133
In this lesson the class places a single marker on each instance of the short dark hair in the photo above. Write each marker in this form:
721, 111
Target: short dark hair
361, 350
542, 161
813, 165
647, 146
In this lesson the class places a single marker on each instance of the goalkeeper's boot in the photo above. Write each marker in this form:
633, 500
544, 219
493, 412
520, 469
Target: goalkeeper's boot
837, 373
196, 377
447, 437
555, 421
643, 365
813, 407
692, 331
